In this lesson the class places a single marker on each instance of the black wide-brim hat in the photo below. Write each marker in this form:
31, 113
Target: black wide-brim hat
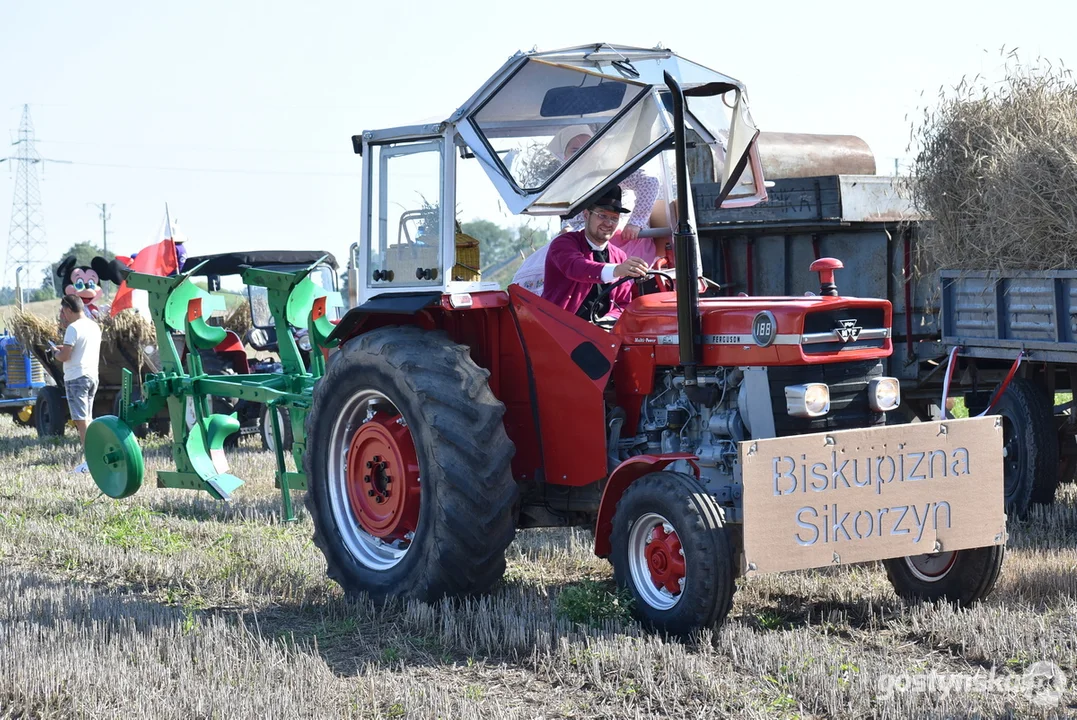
610, 200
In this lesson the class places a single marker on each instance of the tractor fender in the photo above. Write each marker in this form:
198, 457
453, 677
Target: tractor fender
622, 476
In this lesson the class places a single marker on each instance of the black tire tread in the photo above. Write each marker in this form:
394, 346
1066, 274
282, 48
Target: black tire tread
973, 577
1040, 441
706, 531
53, 397
462, 433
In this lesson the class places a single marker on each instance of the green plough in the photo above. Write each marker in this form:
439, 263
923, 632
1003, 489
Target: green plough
177, 305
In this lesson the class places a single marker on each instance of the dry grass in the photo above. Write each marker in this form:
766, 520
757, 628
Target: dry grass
238, 319
170, 605
997, 170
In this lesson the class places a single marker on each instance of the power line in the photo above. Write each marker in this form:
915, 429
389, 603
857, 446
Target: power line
196, 148
231, 171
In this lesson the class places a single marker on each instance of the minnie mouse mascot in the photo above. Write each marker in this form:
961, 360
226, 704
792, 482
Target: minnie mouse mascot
86, 281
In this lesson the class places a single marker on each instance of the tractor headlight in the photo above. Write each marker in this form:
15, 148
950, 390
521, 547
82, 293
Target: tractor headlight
808, 400
884, 394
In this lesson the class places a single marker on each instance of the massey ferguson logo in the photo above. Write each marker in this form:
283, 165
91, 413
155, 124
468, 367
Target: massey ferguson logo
848, 330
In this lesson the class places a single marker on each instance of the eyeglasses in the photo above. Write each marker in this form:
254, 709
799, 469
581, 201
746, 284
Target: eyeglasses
606, 218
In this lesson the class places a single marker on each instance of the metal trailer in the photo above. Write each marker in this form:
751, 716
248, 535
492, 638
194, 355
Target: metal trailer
21, 375
869, 221
999, 321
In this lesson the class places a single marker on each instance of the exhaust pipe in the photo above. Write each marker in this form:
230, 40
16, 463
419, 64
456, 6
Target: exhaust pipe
684, 250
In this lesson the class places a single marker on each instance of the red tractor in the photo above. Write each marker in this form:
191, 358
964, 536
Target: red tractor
454, 413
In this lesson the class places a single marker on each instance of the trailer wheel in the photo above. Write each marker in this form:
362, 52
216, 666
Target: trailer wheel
265, 428
50, 412
961, 576
408, 468
1067, 450
672, 552
1030, 446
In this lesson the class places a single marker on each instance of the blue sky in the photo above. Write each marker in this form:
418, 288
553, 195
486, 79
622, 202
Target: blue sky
239, 114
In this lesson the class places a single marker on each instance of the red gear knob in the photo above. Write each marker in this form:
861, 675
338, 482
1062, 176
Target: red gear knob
826, 267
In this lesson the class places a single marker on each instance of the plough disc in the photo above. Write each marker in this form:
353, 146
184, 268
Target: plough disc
113, 456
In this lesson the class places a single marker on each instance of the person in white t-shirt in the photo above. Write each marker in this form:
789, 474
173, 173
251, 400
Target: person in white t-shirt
80, 354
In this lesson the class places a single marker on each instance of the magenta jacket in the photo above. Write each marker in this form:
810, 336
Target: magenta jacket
571, 271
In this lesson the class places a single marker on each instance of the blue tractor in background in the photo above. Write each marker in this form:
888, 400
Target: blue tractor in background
21, 378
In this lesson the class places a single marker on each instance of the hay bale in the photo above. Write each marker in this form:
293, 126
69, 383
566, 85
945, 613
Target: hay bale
238, 320
997, 171
124, 342
33, 331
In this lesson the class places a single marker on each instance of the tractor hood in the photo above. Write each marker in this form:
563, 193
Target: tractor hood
552, 129
740, 331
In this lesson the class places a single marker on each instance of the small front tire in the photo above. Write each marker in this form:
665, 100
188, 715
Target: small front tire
672, 552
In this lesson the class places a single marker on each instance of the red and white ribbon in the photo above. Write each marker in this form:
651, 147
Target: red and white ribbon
994, 398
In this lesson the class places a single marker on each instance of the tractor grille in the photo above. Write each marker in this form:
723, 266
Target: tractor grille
848, 383
821, 330
18, 366
37, 371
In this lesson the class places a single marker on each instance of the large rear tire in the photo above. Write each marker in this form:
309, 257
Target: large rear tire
1030, 437
409, 468
50, 412
672, 552
961, 576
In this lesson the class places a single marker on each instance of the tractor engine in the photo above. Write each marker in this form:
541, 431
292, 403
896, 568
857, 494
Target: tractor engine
732, 404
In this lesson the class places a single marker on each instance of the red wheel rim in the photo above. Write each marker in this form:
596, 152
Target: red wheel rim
665, 560
383, 478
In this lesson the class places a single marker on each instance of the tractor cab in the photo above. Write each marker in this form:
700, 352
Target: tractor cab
614, 102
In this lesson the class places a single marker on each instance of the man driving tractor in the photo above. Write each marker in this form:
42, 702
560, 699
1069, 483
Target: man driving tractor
580, 265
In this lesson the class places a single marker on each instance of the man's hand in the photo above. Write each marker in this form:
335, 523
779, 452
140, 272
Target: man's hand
632, 267
630, 233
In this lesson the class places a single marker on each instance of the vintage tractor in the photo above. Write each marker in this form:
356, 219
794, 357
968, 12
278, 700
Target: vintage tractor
21, 376
701, 437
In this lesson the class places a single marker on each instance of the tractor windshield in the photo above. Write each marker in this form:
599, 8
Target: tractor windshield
553, 129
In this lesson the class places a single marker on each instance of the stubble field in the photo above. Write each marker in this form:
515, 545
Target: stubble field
172, 605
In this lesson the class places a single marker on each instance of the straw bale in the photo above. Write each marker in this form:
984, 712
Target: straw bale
997, 171
238, 320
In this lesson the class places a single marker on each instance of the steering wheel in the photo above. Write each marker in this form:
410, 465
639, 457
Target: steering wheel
621, 281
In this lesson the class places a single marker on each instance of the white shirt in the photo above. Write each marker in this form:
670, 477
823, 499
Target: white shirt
607, 271
84, 337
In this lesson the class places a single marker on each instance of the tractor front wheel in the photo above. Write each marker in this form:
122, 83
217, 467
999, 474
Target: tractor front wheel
50, 412
960, 576
408, 468
672, 552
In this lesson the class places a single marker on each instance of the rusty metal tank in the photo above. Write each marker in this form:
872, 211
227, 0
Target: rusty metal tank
797, 155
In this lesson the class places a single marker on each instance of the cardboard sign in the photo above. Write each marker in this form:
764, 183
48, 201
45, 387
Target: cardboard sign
857, 495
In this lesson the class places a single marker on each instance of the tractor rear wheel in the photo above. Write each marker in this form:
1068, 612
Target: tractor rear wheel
960, 576
409, 468
672, 552
50, 412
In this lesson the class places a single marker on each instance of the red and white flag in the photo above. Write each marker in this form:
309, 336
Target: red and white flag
157, 259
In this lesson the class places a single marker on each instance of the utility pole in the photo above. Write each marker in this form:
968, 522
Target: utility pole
105, 217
